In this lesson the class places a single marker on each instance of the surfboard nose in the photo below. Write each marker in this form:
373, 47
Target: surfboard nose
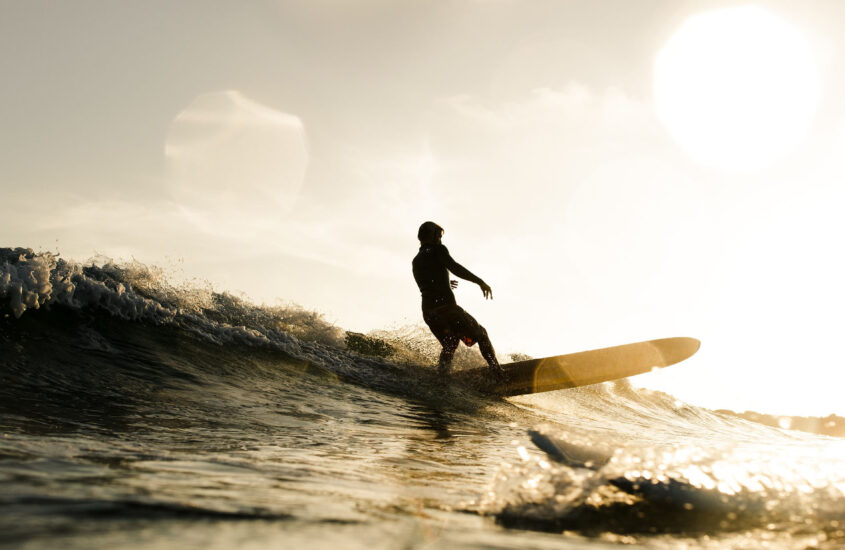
675, 350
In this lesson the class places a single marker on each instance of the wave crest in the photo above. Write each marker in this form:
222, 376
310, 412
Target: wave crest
134, 291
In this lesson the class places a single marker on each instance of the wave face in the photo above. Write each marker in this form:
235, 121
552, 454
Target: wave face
135, 413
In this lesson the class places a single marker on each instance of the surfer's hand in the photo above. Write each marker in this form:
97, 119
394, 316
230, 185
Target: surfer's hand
486, 290
453, 283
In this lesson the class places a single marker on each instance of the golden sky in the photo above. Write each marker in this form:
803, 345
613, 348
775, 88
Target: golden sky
615, 170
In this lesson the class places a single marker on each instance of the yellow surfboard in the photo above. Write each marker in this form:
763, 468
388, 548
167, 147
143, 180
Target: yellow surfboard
581, 369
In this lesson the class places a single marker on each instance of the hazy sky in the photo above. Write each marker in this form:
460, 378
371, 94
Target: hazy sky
616, 170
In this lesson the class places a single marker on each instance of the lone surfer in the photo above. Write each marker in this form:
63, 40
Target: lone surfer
446, 319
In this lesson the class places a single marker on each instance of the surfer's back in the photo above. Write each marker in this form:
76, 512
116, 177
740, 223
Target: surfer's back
432, 275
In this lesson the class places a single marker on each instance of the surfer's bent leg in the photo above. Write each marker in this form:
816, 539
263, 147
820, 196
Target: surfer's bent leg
450, 344
487, 350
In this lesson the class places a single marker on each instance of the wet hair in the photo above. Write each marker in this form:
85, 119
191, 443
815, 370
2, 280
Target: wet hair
429, 231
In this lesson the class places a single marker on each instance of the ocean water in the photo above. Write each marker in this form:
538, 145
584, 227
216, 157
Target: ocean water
139, 414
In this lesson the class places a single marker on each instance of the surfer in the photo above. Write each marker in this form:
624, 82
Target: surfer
446, 319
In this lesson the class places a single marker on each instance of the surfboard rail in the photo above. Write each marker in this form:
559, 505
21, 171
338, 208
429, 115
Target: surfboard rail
582, 368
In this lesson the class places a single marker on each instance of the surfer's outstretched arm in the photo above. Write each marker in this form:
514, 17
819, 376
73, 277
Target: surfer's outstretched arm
464, 273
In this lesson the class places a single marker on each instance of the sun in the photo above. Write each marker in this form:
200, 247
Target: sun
736, 87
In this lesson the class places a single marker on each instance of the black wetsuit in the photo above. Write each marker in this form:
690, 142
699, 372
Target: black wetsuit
448, 321
431, 271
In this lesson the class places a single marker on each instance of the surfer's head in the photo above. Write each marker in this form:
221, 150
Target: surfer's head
430, 233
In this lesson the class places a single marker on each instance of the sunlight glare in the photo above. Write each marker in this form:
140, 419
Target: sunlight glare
736, 87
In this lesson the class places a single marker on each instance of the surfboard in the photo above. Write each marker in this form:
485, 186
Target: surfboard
580, 369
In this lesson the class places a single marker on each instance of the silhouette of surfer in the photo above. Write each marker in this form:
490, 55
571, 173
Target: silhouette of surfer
446, 319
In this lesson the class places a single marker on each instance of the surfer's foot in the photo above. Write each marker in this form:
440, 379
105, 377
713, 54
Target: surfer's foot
498, 372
